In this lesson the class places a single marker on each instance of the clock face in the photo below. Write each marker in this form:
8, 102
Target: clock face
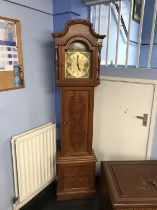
77, 61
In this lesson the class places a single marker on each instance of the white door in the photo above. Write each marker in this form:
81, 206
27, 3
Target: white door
118, 134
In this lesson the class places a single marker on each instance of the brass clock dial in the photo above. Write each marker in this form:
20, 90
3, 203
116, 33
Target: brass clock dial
77, 61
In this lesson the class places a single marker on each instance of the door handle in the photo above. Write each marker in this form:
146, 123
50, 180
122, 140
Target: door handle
144, 118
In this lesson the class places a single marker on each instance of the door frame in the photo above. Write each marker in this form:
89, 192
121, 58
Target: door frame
153, 109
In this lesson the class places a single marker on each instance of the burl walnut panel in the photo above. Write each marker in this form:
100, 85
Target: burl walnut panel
79, 171
76, 177
77, 123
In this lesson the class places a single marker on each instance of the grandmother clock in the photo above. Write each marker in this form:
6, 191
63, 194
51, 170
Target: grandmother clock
77, 73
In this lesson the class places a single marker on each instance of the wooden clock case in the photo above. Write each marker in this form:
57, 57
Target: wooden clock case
76, 160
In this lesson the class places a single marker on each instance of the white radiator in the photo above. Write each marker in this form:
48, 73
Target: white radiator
34, 162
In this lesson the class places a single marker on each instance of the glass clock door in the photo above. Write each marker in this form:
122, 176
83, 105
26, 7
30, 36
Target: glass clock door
77, 61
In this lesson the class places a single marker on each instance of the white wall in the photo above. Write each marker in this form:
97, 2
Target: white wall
24, 109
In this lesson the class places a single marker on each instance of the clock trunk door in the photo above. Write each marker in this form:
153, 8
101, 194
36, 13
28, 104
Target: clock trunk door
77, 120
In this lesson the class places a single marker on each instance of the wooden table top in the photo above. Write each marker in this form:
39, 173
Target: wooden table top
132, 183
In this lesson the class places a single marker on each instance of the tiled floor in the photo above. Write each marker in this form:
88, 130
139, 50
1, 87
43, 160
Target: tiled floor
47, 201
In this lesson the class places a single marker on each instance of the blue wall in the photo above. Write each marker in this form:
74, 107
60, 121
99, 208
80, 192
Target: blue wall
146, 35
65, 10
24, 109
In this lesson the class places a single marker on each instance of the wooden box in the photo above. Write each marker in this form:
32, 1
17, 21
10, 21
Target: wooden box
129, 185
76, 177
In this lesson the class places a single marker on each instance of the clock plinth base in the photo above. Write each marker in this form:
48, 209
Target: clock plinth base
76, 177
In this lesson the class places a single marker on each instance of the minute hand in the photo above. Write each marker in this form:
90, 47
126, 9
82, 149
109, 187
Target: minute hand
78, 62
